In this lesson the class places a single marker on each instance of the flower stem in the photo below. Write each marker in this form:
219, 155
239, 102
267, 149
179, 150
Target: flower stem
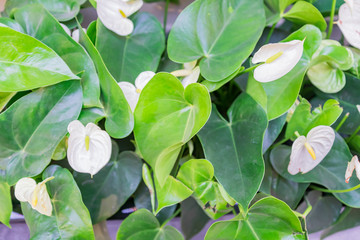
335, 191
171, 217
249, 69
270, 33
331, 23
279, 143
166, 14
342, 122
353, 135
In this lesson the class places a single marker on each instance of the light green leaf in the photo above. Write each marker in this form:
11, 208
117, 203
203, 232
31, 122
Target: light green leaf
26, 63
220, 33
5, 200
267, 219
119, 118
330, 172
69, 220
303, 120
40, 24
142, 224
12, 24
5, 97
126, 57
169, 116
213, 86
27, 146
226, 146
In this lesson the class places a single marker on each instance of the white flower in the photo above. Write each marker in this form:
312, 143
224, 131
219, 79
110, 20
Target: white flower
358, 108
354, 164
131, 92
114, 14
349, 22
307, 152
66, 29
191, 73
89, 148
278, 59
75, 34
26, 190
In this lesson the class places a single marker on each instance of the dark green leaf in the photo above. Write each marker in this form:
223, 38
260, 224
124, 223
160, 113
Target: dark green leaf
273, 130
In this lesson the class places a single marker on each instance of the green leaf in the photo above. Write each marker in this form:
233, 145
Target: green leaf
62, 10
267, 219
355, 69
110, 188
198, 175
277, 103
325, 210
93, 115
193, 218
329, 173
26, 63
39, 24
12, 24
213, 86
226, 146
222, 34
5, 199
126, 57
169, 116
142, 224
69, 220
27, 146
119, 121
303, 120
273, 130
305, 13
5, 98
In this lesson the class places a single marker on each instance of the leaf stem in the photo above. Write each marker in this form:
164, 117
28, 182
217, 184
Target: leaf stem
335, 191
171, 217
342, 122
166, 14
270, 33
249, 69
279, 142
331, 23
353, 135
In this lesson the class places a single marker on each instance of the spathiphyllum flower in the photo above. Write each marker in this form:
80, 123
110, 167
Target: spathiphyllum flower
131, 92
349, 22
354, 164
89, 148
278, 59
114, 14
26, 190
191, 73
307, 152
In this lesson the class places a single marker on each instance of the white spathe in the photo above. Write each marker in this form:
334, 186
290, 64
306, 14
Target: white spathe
114, 14
26, 190
191, 73
75, 34
358, 108
131, 92
278, 59
349, 22
66, 29
89, 148
320, 139
354, 164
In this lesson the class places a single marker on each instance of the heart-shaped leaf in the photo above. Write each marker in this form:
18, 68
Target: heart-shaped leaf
269, 218
101, 196
329, 173
166, 117
63, 10
303, 120
27, 146
5, 199
69, 220
26, 63
226, 146
142, 224
126, 57
119, 118
39, 24
220, 33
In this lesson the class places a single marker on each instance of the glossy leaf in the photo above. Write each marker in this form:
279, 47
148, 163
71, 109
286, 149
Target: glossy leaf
223, 39
5, 199
267, 219
119, 118
169, 116
111, 187
28, 147
63, 10
225, 144
5, 98
69, 220
126, 57
305, 13
213, 86
272, 131
39, 24
26, 63
12, 24
93, 115
142, 224
329, 173
303, 120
